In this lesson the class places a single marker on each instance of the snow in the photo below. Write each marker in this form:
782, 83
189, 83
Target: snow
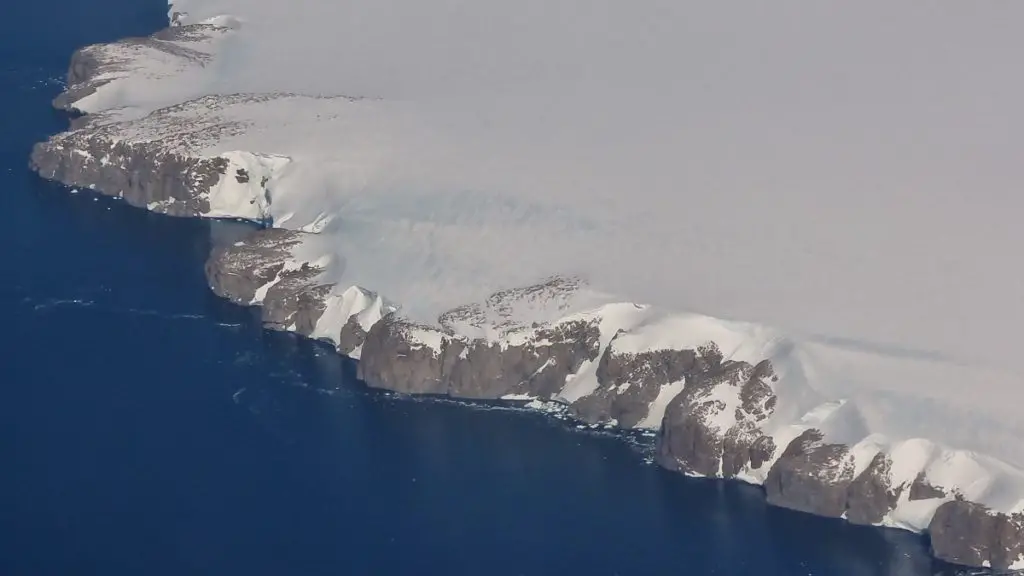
613, 317
738, 341
158, 71
862, 453
690, 157
368, 308
753, 207
511, 317
261, 293
789, 160
726, 399
656, 412
781, 435
426, 338
977, 478
518, 397
247, 199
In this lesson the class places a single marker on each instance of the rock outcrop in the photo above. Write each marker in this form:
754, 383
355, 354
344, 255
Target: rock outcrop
629, 383
970, 534
871, 495
261, 269
811, 476
404, 357
151, 159
711, 427
352, 337
143, 175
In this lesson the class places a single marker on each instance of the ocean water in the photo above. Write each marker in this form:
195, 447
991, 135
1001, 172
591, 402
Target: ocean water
149, 428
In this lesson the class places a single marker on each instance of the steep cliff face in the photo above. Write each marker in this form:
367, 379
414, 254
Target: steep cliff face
141, 174
263, 270
404, 357
972, 535
161, 161
711, 427
236, 272
811, 476
629, 383
409, 358
871, 495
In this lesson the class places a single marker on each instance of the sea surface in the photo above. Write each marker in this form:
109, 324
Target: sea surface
149, 428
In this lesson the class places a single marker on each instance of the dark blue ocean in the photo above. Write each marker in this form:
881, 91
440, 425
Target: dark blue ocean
151, 429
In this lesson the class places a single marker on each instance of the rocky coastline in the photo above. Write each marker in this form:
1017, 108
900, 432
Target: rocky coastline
706, 408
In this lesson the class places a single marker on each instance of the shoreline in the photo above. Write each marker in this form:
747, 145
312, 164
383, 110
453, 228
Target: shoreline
263, 270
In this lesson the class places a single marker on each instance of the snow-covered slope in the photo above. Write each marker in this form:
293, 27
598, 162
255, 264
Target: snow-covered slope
539, 233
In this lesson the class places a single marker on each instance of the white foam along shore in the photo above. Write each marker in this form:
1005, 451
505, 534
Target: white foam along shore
431, 218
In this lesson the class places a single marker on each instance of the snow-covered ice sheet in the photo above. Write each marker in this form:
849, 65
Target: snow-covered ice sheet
689, 156
700, 156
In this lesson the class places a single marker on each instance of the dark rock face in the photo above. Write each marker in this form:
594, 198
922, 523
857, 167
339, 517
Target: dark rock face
870, 496
761, 451
816, 477
686, 444
392, 359
811, 476
539, 367
972, 535
921, 489
142, 174
690, 441
236, 271
744, 442
294, 302
628, 383
352, 337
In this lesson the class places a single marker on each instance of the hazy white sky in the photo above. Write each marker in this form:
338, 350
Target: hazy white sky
850, 168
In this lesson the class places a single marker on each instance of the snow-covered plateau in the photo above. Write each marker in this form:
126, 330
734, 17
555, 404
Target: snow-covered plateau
524, 206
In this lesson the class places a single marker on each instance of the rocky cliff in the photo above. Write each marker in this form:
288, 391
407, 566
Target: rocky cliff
94, 154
